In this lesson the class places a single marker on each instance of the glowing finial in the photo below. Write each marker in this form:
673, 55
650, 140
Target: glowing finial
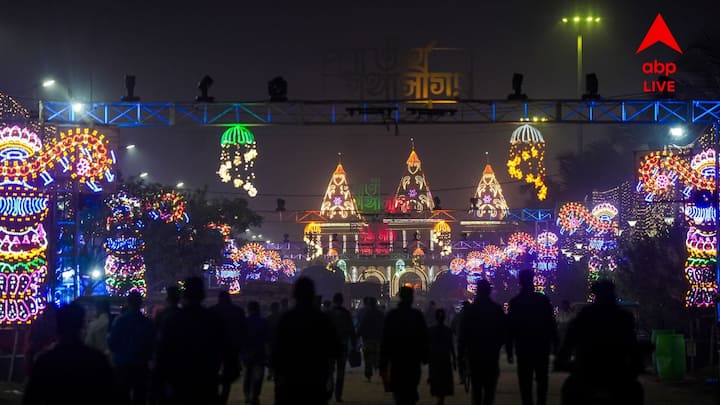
487, 157
339, 157
412, 143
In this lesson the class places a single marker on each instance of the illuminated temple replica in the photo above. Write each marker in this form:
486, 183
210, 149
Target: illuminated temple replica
412, 240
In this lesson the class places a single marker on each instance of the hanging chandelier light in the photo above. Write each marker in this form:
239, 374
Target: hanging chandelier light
238, 152
527, 158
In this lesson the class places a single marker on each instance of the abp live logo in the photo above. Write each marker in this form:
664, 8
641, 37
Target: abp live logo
659, 32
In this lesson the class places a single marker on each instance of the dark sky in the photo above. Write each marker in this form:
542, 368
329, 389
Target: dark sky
90, 46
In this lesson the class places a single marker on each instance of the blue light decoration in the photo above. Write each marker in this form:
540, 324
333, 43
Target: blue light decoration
124, 266
84, 156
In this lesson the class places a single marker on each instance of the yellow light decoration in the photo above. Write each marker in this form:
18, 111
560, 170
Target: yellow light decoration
491, 204
526, 159
441, 235
413, 193
338, 201
238, 152
312, 235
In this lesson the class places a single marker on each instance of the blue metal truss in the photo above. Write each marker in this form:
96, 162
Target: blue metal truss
529, 215
381, 113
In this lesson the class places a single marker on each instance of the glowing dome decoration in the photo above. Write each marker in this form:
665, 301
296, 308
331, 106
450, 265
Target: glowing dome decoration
18, 143
441, 235
660, 173
338, 202
527, 158
491, 204
238, 152
605, 212
124, 266
168, 207
413, 193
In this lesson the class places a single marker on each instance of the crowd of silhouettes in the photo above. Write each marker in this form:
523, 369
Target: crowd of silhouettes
192, 354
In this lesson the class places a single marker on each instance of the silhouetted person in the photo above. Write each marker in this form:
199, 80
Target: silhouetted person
284, 305
96, 335
430, 314
564, 316
131, 343
481, 333
442, 359
347, 340
272, 321
192, 350
70, 372
326, 306
370, 330
255, 353
455, 326
533, 334
172, 306
233, 318
305, 344
43, 334
602, 338
404, 349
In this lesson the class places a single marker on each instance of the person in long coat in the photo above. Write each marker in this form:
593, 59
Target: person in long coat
442, 359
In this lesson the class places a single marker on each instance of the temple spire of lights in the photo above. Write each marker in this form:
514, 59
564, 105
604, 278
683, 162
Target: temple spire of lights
413, 193
491, 204
338, 201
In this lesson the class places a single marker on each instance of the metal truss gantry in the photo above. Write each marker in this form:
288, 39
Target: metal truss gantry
159, 114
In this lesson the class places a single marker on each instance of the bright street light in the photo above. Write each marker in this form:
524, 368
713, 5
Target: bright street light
77, 107
131, 146
180, 185
143, 175
48, 83
677, 132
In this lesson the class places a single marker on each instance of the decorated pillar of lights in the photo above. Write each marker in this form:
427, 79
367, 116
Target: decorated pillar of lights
491, 204
519, 250
441, 234
25, 165
312, 237
227, 271
600, 227
545, 263
125, 266
526, 159
238, 151
660, 173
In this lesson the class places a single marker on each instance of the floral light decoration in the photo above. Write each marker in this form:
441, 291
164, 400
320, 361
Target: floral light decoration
288, 267
527, 158
312, 235
168, 207
441, 235
457, 266
524, 241
124, 266
238, 151
658, 175
82, 154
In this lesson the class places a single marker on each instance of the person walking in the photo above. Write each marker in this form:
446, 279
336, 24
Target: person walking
533, 335
272, 322
192, 351
347, 340
255, 354
233, 318
304, 346
70, 372
404, 349
172, 306
442, 359
370, 331
98, 329
564, 316
481, 334
430, 314
607, 357
131, 343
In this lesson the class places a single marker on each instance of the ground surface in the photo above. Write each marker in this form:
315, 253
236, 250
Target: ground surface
360, 392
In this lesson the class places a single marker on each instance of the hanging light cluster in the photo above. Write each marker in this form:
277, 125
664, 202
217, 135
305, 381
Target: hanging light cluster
124, 266
441, 235
527, 158
238, 152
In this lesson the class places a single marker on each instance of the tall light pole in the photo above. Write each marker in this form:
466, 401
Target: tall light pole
579, 22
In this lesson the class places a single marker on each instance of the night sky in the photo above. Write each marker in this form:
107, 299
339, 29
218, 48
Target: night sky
89, 47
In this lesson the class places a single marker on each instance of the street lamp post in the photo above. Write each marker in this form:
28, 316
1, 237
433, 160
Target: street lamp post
578, 22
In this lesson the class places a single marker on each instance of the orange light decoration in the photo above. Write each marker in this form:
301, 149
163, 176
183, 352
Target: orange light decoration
527, 158
573, 215
168, 207
338, 201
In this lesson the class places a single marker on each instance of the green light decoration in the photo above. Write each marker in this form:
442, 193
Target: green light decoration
238, 151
